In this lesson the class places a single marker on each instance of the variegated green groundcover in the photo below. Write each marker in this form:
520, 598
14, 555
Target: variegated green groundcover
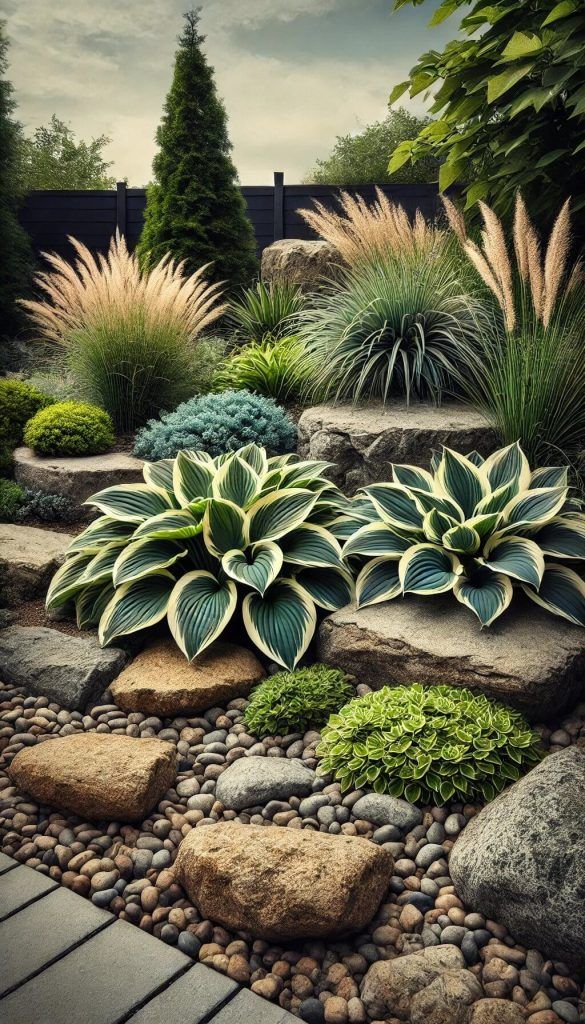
203, 537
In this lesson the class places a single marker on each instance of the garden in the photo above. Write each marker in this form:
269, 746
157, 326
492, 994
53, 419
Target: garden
299, 549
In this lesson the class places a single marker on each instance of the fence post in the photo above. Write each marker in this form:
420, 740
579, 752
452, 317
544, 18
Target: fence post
121, 207
278, 205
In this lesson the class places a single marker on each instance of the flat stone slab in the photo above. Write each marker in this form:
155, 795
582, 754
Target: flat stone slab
28, 559
364, 441
251, 781
280, 883
96, 775
70, 670
21, 887
191, 999
528, 658
75, 478
521, 860
160, 681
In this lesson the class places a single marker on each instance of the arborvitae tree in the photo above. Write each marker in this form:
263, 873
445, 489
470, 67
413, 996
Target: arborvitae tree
15, 250
195, 209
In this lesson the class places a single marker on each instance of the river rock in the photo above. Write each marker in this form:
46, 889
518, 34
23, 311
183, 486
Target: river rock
256, 780
160, 681
297, 261
389, 985
28, 559
387, 810
496, 1011
97, 776
446, 1000
521, 860
282, 884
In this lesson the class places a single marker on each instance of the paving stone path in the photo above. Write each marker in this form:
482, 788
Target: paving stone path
65, 960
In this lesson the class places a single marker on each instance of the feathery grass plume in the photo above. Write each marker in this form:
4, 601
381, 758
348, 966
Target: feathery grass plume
455, 218
497, 252
130, 337
369, 232
555, 261
484, 269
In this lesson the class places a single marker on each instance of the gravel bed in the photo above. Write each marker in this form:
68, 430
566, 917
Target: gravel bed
128, 869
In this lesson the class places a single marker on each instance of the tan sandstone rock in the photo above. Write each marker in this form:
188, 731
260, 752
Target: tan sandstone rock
389, 986
97, 776
446, 1000
160, 681
297, 261
28, 559
496, 1011
282, 884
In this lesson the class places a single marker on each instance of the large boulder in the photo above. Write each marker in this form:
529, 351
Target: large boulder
521, 860
160, 681
389, 986
446, 1000
282, 884
437, 640
363, 441
97, 776
251, 781
28, 559
294, 261
74, 477
70, 670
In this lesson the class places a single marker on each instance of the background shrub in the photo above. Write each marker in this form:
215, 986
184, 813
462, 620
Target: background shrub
70, 428
267, 309
11, 499
49, 508
292, 701
275, 367
217, 424
19, 401
429, 744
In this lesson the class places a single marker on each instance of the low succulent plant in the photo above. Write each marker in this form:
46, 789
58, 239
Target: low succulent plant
477, 527
429, 744
292, 701
202, 536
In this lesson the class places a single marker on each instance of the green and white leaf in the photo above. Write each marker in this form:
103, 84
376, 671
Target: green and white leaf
277, 514
461, 480
428, 569
90, 604
376, 539
257, 567
200, 608
378, 581
135, 606
484, 525
255, 456
311, 545
67, 580
395, 506
159, 474
518, 557
101, 567
330, 588
562, 538
144, 557
236, 481
176, 524
549, 476
103, 530
508, 466
132, 503
488, 594
225, 527
438, 503
436, 524
282, 622
496, 501
462, 538
192, 478
534, 508
561, 592
412, 476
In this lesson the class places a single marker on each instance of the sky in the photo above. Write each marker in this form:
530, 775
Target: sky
293, 74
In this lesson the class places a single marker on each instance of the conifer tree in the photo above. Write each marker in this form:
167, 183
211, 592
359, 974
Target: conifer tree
195, 209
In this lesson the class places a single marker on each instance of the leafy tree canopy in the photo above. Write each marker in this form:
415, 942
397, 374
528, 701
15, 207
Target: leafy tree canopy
362, 158
53, 158
509, 103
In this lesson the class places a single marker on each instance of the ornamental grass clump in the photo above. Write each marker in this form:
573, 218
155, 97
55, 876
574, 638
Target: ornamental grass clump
202, 539
267, 309
274, 367
428, 744
293, 701
130, 336
479, 528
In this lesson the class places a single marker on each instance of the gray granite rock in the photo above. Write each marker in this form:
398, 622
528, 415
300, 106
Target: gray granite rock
387, 810
256, 780
28, 559
71, 670
521, 860
301, 262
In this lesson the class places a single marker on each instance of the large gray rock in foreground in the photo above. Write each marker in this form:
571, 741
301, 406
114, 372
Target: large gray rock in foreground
521, 860
363, 441
250, 781
75, 478
296, 261
71, 670
527, 658
28, 559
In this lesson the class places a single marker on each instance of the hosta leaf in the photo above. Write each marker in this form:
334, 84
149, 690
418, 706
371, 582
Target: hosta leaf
257, 567
302, 473
427, 569
192, 478
199, 556
132, 503
461, 538
411, 476
311, 545
534, 508
561, 592
378, 581
438, 502
200, 608
282, 622
67, 580
330, 588
176, 524
475, 457
100, 569
395, 506
255, 456
496, 502
549, 476
518, 557
279, 513
488, 594
135, 606
225, 527
562, 538
90, 604
375, 539
159, 474
435, 524
236, 481
461, 480
143, 557
485, 524
508, 465
103, 530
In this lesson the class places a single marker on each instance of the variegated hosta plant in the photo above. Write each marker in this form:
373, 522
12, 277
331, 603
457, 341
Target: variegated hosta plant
202, 536
476, 527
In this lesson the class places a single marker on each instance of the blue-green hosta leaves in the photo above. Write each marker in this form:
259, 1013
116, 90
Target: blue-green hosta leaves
159, 475
135, 606
176, 524
508, 466
311, 545
278, 513
428, 569
132, 503
282, 622
462, 539
103, 530
562, 592
487, 593
144, 557
257, 568
101, 567
562, 538
257, 459
329, 588
237, 482
199, 609
225, 527
90, 604
549, 476
534, 508
192, 478
461, 480
395, 506
436, 524
412, 476
518, 557
378, 581
67, 580
374, 540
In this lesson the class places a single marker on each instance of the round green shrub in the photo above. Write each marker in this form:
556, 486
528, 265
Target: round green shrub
70, 428
217, 424
12, 497
429, 744
19, 401
292, 701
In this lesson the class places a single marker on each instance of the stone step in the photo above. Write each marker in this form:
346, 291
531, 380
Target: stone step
28, 559
73, 477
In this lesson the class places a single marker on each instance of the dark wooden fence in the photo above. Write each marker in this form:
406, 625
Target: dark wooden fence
93, 216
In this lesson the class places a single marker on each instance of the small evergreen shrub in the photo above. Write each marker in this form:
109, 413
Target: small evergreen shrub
429, 744
19, 401
216, 424
11, 499
49, 508
292, 701
70, 428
